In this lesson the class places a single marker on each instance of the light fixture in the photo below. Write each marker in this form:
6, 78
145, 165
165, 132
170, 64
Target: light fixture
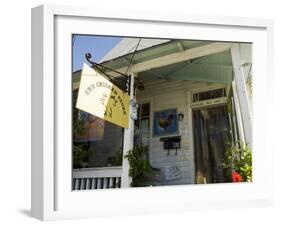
139, 84
180, 116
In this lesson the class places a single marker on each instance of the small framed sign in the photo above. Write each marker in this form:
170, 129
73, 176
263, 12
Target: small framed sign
172, 173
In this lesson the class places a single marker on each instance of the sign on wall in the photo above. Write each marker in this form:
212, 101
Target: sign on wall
172, 173
101, 98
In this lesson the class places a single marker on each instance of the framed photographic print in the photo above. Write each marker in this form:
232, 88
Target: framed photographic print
128, 108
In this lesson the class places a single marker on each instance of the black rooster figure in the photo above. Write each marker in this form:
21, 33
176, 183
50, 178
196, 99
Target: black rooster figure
114, 99
165, 123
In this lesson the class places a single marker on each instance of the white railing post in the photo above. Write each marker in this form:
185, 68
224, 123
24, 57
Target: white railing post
242, 94
128, 142
88, 180
76, 184
93, 183
99, 183
111, 182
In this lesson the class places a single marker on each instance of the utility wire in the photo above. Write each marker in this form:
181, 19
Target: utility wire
133, 56
102, 68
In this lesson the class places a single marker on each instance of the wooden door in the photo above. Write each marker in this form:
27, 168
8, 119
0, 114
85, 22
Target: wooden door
211, 132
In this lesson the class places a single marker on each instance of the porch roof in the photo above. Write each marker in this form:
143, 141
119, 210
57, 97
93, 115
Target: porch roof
215, 68
151, 51
177, 60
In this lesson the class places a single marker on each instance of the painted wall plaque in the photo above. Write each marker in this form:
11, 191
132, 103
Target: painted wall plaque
172, 173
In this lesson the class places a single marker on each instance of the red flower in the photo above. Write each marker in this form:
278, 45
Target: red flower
236, 177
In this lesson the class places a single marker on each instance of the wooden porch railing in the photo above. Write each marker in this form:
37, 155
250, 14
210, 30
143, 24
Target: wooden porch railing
96, 178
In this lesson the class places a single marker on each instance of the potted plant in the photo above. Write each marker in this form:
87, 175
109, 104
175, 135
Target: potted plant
81, 155
140, 168
80, 151
238, 159
116, 160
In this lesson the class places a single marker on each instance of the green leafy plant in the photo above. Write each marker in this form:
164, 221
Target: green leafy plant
78, 126
140, 169
80, 151
238, 159
81, 154
116, 160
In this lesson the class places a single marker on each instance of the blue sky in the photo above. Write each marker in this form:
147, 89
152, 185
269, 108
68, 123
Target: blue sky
98, 46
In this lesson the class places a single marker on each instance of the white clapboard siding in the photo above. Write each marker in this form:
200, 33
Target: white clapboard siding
166, 95
97, 178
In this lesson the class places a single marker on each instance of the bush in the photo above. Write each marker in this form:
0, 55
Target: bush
80, 155
238, 158
140, 169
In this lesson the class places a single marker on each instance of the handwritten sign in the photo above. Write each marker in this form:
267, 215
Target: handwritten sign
101, 98
172, 173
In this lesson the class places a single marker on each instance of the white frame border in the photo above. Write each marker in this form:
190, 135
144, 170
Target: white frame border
43, 98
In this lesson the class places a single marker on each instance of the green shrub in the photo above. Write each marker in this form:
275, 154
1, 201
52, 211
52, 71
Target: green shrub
80, 155
238, 158
140, 169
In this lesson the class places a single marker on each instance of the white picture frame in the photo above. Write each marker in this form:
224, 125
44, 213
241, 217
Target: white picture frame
52, 197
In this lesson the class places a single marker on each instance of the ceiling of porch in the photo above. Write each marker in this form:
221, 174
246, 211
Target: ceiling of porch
153, 52
216, 68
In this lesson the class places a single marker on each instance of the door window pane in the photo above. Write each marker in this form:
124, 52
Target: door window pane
142, 126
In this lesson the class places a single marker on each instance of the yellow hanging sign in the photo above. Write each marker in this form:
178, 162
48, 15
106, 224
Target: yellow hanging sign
101, 98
